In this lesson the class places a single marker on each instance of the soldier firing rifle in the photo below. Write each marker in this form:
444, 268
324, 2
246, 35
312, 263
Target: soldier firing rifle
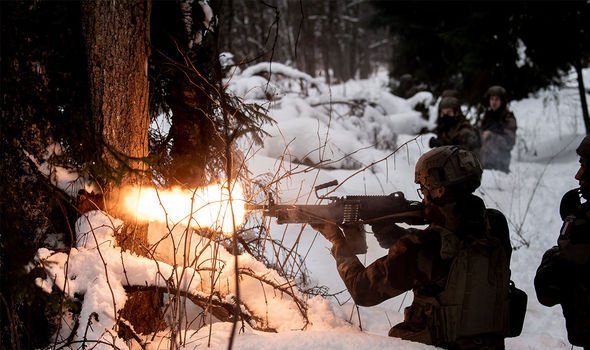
351, 212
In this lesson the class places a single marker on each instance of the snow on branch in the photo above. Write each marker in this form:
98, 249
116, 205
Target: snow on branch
66, 179
328, 124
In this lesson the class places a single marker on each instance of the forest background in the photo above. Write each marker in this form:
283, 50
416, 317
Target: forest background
73, 72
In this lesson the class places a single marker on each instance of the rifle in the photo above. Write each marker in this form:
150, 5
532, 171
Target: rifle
349, 211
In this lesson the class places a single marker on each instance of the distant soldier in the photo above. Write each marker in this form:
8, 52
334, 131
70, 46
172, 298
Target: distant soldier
405, 87
452, 128
564, 274
456, 268
408, 86
498, 131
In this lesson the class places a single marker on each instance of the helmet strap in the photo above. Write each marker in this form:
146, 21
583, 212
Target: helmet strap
439, 196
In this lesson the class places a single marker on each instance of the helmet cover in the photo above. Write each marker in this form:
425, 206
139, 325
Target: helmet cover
496, 90
449, 102
446, 166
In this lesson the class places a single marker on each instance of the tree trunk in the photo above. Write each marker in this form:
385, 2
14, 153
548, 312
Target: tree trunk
192, 132
582, 90
118, 46
307, 56
327, 43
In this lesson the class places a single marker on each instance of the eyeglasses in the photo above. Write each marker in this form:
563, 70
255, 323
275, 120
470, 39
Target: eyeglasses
422, 192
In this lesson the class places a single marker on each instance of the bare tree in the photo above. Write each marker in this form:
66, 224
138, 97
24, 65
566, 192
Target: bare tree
316, 37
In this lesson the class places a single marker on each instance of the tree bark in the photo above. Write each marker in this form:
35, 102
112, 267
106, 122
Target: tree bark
118, 42
118, 47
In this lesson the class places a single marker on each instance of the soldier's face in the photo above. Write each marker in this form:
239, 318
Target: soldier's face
448, 112
495, 102
429, 196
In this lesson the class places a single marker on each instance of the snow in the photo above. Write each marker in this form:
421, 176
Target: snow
69, 180
371, 150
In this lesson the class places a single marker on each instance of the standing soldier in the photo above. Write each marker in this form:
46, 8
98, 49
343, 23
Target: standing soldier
452, 128
458, 273
564, 274
498, 131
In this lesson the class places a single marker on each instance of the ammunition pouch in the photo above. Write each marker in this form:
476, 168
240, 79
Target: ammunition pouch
517, 301
418, 322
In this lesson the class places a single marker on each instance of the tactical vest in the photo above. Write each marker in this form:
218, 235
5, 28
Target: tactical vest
474, 300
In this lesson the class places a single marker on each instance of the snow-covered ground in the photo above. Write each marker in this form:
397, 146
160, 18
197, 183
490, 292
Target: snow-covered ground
369, 151
544, 162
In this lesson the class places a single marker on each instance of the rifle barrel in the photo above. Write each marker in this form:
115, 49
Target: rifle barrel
256, 206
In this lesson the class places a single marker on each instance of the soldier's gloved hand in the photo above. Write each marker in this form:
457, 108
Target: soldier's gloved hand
387, 234
356, 238
434, 142
331, 232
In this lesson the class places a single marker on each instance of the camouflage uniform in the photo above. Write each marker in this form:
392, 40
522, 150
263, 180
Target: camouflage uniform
455, 130
420, 260
563, 276
501, 125
459, 133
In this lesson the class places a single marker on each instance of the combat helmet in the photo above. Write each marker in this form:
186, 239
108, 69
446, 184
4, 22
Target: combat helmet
448, 166
449, 102
450, 93
496, 90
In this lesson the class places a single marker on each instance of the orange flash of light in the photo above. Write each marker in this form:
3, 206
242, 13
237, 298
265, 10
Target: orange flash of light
209, 206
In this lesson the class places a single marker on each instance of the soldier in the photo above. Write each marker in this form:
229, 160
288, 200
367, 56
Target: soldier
498, 131
452, 128
406, 87
563, 276
437, 262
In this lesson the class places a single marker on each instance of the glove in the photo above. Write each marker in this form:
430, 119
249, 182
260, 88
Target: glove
387, 234
354, 243
331, 232
356, 238
434, 142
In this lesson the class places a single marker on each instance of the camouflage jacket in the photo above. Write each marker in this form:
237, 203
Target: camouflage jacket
499, 139
415, 262
502, 123
461, 134
563, 277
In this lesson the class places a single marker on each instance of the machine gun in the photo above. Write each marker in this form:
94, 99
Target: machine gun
348, 211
